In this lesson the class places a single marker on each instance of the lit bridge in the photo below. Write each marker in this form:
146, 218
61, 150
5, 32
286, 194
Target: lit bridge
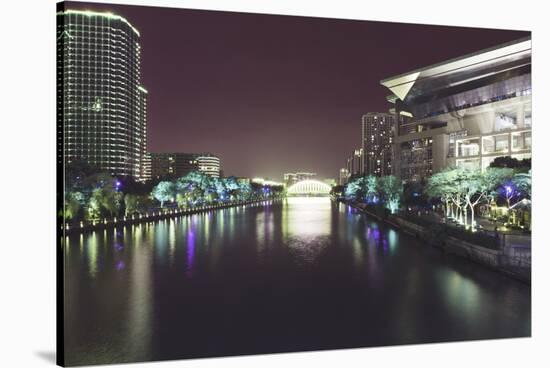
309, 188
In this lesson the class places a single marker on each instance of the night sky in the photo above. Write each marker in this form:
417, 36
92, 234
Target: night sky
274, 94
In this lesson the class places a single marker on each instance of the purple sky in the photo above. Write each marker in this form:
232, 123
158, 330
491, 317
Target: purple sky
273, 94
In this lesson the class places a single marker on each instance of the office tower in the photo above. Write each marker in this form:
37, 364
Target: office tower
102, 106
377, 134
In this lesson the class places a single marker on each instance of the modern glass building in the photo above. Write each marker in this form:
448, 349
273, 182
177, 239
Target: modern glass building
102, 106
463, 112
377, 135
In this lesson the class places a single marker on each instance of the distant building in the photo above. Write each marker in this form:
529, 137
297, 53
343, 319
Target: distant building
293, 178
378, 132
463, 112
343, 177
209, 164
146, 167
177, 164
355, 163
243, 180
263, 181
102, 106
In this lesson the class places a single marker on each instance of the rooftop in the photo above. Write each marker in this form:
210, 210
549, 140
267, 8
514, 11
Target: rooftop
465, 68
91, 13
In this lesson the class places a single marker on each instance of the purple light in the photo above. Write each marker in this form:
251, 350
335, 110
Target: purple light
376, 235
508, 189
120, 265
190, 251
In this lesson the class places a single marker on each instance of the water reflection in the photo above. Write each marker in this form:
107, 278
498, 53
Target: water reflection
216, 283
309, 227
190, 250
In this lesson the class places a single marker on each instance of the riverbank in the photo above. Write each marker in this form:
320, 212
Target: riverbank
501, 253
161, 214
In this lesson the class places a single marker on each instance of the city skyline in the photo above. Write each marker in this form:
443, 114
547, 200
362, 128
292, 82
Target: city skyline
268, 94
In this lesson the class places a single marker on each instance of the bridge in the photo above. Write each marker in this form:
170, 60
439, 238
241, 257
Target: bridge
309, 188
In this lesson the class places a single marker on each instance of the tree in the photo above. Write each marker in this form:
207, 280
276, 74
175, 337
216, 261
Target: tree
390, 190
232, 187
369, 186
479, 186
522, 181
352, 190
164, 191
442, 186
511, 163
73, 204
104, 201
463, 189
135, 203
245, 191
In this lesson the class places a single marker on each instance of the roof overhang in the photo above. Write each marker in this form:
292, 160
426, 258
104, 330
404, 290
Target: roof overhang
401, 84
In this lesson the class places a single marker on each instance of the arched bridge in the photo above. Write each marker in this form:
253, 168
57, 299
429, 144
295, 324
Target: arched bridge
309, 188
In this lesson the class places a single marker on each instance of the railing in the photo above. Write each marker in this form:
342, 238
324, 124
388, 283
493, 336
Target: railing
154, 215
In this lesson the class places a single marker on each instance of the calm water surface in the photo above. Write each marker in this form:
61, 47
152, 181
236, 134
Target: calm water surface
300, 275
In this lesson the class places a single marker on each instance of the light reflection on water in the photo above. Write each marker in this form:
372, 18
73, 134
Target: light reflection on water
219, 279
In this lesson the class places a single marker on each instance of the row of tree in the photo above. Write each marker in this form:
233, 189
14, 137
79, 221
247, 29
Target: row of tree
95, 195
197, 188
386, 191
462, 190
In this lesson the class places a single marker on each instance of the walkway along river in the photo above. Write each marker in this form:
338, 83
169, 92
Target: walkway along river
300, 274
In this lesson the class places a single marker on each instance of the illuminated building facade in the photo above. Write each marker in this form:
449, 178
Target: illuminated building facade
378, 131
355, 164
343, 176
178, 164
102, 106
463, 112
209, 164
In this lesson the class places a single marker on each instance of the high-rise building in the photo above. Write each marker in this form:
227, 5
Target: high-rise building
377, 135
355, 163
177, 164
101, 102
343, 176
463, 112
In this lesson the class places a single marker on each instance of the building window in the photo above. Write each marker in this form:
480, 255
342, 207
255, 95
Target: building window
467, 147
495, 144
521, 141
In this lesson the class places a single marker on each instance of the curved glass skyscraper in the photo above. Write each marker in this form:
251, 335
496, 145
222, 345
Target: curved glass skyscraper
101, 104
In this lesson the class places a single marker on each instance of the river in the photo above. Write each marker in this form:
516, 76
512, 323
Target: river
304, 274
